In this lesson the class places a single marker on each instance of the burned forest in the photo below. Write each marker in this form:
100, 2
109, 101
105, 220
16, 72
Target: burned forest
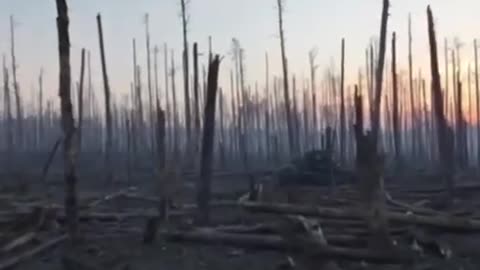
205, 157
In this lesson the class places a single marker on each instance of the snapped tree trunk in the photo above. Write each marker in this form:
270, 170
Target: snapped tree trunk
206, 162
445, 133
369, 161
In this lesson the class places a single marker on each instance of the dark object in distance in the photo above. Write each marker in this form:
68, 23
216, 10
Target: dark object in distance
316, 168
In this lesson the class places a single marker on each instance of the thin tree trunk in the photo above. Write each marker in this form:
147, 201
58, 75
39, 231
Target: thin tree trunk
477, 91
41, 128
196, 98
186, 76
396, 122
9, 120
342, 106
16, 88
80, 100
67, 119
108, 113
149, 84
203, 189
291, 141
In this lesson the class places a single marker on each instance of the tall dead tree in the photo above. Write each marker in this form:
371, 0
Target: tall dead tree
68, 125
80, 100
291, 140
41, 128
186, 75
396, 121
196, 105
9, 117
149, 82
108, 112
168, 135
369, 160
206, 162
175, 111
445, 133
342, 105
313, 68
16, 87
477, 95
413, 118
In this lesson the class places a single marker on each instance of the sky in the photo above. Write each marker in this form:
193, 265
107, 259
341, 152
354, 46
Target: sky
308, 24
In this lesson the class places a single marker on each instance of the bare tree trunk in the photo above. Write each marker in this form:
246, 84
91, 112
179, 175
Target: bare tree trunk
41, 128
342, 105
203, 189
9, 120
161, 149
410, 83
149, 84
186, 76
445, 134
369, 161
396, 122
108, 113
168, 123
477, 91
445, 105
313, 67
175, 112
16, 88
67, 119
80, 100
196, 98
291, 141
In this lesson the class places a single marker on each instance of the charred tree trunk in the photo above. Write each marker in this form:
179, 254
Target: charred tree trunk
369, 160
41, 129
477, 96
291, 140
149, 84
161, 149
108, 113
67, 119
16, 88
9, 120
186, 76
203, 189
396, 121
196, 104
445, 134
80, 100
342, 106
413, 118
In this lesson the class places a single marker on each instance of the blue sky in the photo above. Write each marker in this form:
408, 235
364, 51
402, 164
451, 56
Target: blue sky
308, 23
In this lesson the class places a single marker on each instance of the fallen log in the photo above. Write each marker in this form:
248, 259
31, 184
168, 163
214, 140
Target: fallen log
439, 221
209, 236
15, 260
18, 242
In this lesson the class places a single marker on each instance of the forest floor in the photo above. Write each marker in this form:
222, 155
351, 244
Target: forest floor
113, 236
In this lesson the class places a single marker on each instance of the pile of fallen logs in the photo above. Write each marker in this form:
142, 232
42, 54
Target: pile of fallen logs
333, 229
